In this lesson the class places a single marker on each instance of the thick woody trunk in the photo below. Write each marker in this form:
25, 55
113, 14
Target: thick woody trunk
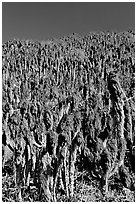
120, 150
46, 177
45, 183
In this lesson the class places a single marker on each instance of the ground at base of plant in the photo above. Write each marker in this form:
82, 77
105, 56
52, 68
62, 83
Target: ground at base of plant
85, 191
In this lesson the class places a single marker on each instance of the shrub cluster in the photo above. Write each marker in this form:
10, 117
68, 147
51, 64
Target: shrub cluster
68, 105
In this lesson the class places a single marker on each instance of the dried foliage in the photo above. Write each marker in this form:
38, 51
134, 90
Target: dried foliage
68, 108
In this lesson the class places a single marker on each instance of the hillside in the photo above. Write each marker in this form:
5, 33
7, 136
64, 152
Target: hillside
69, 118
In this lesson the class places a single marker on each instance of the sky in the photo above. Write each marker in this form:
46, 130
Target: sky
45, 20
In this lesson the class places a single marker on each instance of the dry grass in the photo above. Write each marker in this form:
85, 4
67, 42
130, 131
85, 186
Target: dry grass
86, 190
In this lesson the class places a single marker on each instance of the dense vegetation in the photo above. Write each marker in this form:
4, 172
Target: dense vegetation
68, 118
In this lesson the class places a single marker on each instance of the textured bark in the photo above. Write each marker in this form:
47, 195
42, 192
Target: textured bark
66, 169
46, 176
120, 150
72, 171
